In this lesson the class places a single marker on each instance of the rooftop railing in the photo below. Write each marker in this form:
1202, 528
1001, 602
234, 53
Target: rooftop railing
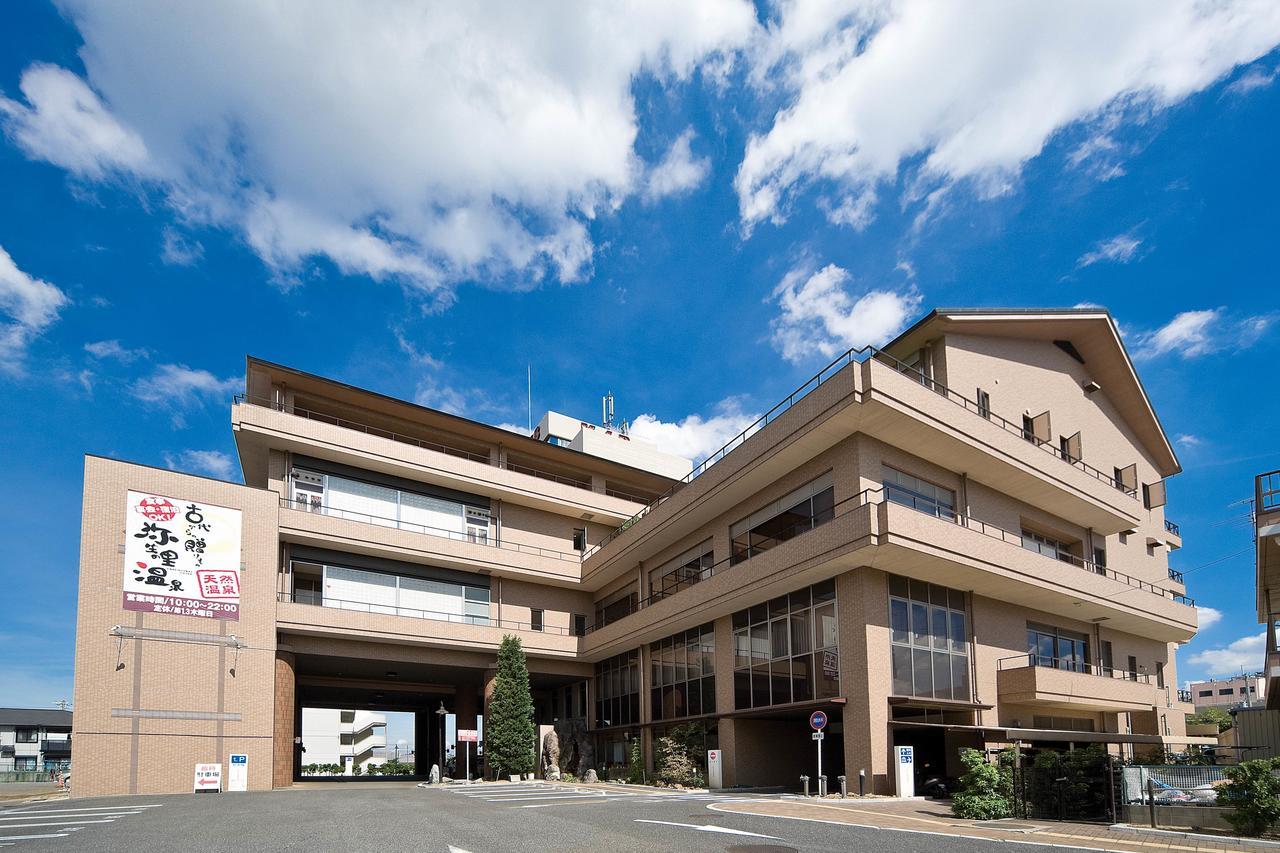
1170, 527
316, 600
915, 503
1175, 575
857, 356
400, 524
1072, 665
1267, 491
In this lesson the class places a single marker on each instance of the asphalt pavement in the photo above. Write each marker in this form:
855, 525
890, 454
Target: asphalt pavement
484, 818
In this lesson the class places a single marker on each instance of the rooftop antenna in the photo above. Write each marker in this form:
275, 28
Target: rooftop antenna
529, 376
62, 704
606, 411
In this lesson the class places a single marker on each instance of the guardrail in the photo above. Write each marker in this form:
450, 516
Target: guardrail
399, 524
1176, 576
1072, 665
308, 598
1267, 491
857, 356
1170, 527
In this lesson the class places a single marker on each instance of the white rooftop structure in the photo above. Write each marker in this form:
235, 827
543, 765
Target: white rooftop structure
610, 441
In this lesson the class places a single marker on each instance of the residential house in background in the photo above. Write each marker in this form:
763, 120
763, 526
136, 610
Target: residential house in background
1238, 691
34, 739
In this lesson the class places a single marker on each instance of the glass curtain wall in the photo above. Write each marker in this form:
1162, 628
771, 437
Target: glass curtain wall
787, 650
618, 690
355, 499
683, 669
929, 640
396, 595
799, 512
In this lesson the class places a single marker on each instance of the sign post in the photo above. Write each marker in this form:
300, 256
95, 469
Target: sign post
468, 737
818, 722
238, 773
906, 767
714, 772
208, 778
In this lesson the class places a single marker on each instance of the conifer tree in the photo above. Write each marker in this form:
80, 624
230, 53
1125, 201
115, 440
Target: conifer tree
508, 735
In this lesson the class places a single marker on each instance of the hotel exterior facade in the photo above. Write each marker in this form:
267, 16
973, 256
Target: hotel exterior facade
958, 540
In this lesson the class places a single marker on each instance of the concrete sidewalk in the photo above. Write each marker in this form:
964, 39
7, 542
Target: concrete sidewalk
935, 818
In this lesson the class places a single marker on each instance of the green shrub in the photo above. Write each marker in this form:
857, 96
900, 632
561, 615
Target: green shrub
635, 763
673, 764
508, 730
980, 796
1253, 789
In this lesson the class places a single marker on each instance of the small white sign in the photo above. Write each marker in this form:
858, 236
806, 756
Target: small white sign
906, 771
818, 735
238, 772
714, 770
208, 777
468, 736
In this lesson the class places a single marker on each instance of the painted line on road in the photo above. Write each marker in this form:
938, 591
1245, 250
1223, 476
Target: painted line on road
69, 811
43, 815
45, 835
55, 823
551, 797
708, 827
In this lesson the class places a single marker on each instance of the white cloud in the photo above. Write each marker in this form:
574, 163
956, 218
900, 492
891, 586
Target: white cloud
66, 123
214, 463
925, 95
1207, 617
31, 304
1191, 334
822, 314
419, 142
179, 389
113, 349
1120, 249
179, 251
1253, 79
679, 171
695, 437
1189, 441
1246, 653
520, 429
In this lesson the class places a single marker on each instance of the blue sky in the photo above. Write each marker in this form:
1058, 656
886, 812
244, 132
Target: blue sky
693, 206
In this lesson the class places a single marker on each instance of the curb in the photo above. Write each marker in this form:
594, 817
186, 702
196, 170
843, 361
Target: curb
1223, 840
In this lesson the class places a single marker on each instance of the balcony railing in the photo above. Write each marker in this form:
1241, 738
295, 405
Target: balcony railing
1170, 527
438, 447
1176, 576
318, 600
1185, 696
913, 502
55, 746
399, 524
857, 356
1267, 491
1073, 665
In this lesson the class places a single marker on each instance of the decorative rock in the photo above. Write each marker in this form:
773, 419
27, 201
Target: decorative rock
553, 773
590, 776
435, 774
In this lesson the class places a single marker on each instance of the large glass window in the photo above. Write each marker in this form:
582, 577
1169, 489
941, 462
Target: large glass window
26, 735
615, 607
686, 570
799, 512
918, 494
683, 674
1057, 647
618, 690
929, 640
1047, 546
344, 497
396, 595
787, 650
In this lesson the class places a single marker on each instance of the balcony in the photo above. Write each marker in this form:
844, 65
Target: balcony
259, 424
56, 747
312, 614
871, 392
920, 539
1074, 685
330, 527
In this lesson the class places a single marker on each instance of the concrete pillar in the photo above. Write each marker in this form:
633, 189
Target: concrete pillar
597, 483
723, 658
862, 604
284, 749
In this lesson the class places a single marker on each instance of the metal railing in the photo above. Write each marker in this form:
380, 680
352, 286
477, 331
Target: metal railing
1267, 491
55, 745
383, 521
1170, 527
547, 475
316, 600
1185, 696
1072, 665
857, 356
1175, 575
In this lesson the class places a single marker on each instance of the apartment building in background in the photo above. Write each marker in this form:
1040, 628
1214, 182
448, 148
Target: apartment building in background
1266, 521
345, 737
957, 540
34, 740
1240, 691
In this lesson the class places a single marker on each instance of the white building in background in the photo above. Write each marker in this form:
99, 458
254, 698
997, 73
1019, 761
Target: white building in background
347, 738
1240, 691
608, 440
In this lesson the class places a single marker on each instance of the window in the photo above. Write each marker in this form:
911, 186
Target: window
1047, 546
579, 625
787, 650
684, 571
1133, 668
1057, 648
27, 763
1106, 659
1028, 428
1159, 673
1062, 724
579, 539
929, 640
618, 690
535, 620
1100, 560
26, 735
1064, 447
615, 607
918, 494
358, 500
1203, 693
1226, 691
683, 674
799, 512
984, 403
395, 595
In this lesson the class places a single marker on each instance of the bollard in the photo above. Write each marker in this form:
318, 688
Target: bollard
1151, 799
822, 785
862, 783
805, 780
844, 787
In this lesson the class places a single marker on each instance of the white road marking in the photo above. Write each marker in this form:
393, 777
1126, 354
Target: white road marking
44, 815
710, 828
34, 810
45, 835
10, 826
453, 849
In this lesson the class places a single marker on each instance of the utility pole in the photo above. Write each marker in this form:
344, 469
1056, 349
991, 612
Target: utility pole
62, 704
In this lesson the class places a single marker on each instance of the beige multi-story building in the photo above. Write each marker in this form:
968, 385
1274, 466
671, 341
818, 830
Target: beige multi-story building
1240, 691
1266, 519
958, 540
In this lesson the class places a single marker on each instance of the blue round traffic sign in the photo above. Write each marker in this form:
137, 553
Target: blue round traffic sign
818, 720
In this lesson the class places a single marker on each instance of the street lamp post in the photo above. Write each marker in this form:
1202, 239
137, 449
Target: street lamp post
441, 713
